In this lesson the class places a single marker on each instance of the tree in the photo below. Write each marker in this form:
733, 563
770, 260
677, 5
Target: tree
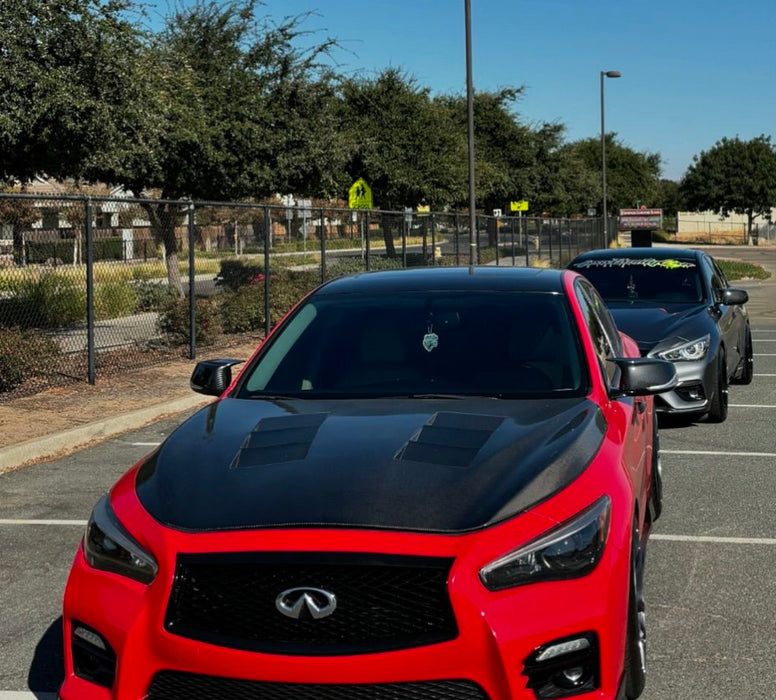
632, 178
669, 198
19, 215
733, 176
65, 82
402, 143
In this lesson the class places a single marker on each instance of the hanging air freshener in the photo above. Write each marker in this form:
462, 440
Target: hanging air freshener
431, 339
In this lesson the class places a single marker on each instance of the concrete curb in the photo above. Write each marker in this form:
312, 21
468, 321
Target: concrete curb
39, 449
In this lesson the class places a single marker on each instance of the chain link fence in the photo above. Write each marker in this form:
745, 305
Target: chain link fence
93, 285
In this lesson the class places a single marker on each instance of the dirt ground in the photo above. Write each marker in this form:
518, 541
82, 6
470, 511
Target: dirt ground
77, 404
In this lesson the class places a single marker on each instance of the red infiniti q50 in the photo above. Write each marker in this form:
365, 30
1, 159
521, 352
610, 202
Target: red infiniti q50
432, 484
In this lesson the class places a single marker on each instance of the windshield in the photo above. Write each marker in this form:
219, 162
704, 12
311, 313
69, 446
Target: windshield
644, 279
499, 344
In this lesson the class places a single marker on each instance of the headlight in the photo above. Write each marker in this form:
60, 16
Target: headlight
109, 547
694, 350
571, 550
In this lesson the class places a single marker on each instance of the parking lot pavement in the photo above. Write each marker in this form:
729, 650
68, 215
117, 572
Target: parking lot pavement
710, 583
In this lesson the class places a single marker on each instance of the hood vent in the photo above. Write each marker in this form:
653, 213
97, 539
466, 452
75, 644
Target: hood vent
450, 439
280, 439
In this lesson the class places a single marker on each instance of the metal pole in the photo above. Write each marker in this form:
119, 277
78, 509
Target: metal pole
322, 234
524, 238
470, 113
192, 310
90, 374
405, 225
497, 228
513, 242
433, 240
457, 234
267, 229
603, 155
365, 224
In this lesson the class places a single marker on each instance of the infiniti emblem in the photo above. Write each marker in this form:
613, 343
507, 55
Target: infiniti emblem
316, 602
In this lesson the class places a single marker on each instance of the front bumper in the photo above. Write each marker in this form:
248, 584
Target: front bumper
497, 631
693, 393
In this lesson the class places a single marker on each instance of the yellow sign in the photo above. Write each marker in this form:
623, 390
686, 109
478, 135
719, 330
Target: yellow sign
360, 195
424, 208
522, 205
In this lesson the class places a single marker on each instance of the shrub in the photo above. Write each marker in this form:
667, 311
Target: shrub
51, 300
243, 310
153, 296
174, 321
22, 352
234, 274
114, 299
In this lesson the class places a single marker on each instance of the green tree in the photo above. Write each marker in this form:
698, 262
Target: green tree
66, 83
235, 109
402, 143
670, 198
632, 178
733, 176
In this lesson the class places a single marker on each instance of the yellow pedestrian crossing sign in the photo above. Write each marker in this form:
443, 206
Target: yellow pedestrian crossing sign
522, 205
360, 195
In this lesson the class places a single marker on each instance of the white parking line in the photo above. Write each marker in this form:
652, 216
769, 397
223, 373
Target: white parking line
144, 444
764, 375
766, 340
25, 695
752, 405
770, 541
75, 523
765, 354
717, 454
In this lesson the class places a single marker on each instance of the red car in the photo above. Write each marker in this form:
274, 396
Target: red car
429, 484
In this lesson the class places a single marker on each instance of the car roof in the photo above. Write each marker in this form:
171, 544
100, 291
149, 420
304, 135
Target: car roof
638, 253
481, 278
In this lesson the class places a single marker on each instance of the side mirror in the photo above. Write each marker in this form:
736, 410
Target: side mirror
212, 377
642, 376
733, 297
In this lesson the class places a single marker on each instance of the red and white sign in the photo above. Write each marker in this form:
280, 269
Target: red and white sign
640, 219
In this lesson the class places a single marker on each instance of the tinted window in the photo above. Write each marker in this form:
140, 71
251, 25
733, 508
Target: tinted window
603, 331
646, 279
494, 343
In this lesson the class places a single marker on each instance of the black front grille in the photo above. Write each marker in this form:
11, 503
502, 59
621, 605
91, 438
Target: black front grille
384, 602
169, 685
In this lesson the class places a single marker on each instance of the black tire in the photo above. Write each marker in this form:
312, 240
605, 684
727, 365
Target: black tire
718, 409
747, 368
636, 636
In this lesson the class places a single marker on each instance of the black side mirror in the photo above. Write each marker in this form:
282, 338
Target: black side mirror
212, 377
642, 376
733, 297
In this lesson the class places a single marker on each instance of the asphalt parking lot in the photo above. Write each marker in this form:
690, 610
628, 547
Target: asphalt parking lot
710, 581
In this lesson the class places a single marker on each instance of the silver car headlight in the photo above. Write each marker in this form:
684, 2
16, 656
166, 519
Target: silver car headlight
571, 550
109, 547
690, 351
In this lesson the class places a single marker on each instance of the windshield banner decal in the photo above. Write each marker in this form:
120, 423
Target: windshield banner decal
667, 264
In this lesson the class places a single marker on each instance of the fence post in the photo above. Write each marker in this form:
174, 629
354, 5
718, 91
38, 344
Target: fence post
90, 350
365, 220
513, 241
192, 307
457, 234
405, 226
267, 229
433, 239
322, 234
497, 230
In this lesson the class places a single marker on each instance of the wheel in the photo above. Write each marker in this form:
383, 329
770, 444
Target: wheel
747, 368
719, 402
636, 635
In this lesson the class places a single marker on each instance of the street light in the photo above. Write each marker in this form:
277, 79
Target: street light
605, 74
470, 118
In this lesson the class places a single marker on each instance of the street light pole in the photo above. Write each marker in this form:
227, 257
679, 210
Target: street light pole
470, 111
605, 74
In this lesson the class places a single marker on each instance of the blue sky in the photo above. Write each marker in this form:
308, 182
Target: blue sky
693, 70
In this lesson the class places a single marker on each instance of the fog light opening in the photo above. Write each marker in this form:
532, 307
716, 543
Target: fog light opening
93, 657
564, 667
